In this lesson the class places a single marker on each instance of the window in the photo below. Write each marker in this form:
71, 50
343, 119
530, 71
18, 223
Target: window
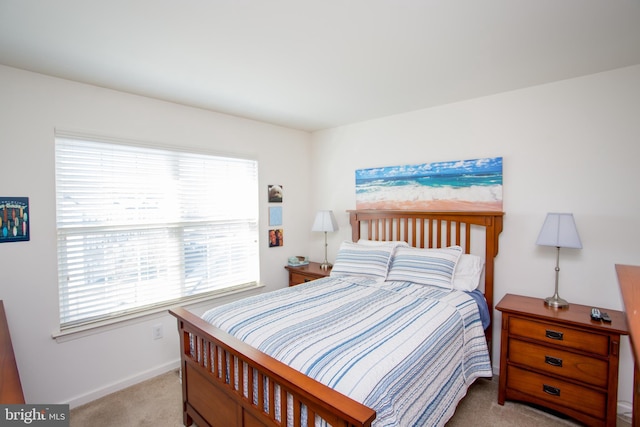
141, 228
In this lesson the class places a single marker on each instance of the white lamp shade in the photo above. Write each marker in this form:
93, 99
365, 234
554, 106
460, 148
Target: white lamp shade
559, 230
325, 221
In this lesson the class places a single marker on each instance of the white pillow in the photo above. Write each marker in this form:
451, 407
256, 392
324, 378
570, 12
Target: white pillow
425, 266
468, 272
362, 260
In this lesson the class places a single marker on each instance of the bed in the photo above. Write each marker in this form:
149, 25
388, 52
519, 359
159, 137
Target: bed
285, 371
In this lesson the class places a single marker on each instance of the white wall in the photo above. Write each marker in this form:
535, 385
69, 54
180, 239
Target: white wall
31, 107
570, 146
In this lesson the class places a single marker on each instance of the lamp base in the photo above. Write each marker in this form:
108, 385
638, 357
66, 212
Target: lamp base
556, 302
326, 265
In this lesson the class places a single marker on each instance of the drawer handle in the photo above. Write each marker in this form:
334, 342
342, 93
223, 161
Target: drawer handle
554, 391
554, 335
553, 361
307, 280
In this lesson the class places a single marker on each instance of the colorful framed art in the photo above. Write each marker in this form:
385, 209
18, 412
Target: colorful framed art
459, 185
14, 219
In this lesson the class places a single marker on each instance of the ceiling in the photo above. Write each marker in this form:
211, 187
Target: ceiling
319, 64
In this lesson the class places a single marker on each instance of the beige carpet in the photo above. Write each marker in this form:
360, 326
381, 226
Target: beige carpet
157, 402
153, 403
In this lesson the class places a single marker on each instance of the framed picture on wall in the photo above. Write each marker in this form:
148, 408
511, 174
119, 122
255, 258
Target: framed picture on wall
275, 216
276, 237
275, 193
14, 219
459, 185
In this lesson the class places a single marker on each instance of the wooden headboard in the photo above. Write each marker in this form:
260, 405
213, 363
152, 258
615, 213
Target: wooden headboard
475, 232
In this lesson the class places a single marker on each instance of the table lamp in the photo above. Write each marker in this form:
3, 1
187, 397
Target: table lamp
325, 221
559, 230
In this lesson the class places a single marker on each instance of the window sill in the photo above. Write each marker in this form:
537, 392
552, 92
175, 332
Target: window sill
93, 328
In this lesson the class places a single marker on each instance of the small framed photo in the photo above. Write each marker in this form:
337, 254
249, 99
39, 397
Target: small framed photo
275, 216
275, 193
276, 237
14, 219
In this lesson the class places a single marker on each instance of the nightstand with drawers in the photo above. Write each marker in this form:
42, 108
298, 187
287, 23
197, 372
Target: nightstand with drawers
306, 273
560, 358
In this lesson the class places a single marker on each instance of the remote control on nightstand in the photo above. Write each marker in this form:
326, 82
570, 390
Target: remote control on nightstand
595, 314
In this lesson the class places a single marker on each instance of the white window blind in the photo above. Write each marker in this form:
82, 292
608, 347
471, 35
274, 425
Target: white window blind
142, 227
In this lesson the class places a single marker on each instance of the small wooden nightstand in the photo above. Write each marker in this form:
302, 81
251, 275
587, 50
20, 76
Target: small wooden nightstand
306, 273
560, 358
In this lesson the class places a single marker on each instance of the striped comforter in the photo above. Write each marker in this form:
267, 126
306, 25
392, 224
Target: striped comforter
408, 351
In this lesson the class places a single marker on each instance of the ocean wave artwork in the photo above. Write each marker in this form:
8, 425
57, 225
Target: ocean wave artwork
460, 185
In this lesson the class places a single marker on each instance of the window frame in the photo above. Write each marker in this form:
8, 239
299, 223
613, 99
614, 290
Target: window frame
75, 326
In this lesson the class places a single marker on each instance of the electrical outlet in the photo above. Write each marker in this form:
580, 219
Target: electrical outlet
156, 332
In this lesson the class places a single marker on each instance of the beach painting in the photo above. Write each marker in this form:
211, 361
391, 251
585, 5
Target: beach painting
460, 185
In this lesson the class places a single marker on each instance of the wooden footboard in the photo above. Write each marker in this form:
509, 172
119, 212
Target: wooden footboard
227, 383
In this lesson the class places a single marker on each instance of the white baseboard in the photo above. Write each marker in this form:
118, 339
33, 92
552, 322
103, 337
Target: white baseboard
496, 370
127, 382
625, 409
